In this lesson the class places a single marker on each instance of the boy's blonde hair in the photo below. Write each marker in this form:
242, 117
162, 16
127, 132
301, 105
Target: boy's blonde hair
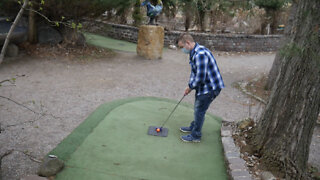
185, 37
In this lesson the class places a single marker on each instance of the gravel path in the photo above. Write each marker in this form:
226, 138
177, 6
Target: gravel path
64, 93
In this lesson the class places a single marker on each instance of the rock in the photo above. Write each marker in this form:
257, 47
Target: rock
50, 167
71, 36
12, 50
150, 41
171, 46
226, 133
266, 175
243, 143
23, 22
33, 177
48, 35
19, 34
244, 124
227, 31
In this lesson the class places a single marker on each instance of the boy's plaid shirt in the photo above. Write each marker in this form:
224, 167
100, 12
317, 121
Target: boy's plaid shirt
205, 75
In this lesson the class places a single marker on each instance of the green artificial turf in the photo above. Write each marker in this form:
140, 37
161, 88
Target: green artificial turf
112, 143
106, 42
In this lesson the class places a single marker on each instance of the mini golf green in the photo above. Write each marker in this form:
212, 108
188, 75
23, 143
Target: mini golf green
112, 143
106, 42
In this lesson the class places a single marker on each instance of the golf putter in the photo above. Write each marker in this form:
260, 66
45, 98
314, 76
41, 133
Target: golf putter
161, 131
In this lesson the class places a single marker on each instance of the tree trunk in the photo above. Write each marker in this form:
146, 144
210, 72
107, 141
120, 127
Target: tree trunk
283, 134
278, 59
188, 11
273, 15
32, 31
206, 22
6, 42
188, 20
274, 72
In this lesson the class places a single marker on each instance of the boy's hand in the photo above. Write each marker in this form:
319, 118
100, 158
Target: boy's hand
187, 91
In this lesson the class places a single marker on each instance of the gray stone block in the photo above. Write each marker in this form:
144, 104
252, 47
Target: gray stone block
225, 126
230, 148
242, 178
227, 140
236, 161
239, 173
237, 166
235, 154
226, 133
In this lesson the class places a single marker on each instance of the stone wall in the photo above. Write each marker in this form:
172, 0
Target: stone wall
220, 42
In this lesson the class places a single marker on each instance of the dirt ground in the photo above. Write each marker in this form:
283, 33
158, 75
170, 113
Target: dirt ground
62, 93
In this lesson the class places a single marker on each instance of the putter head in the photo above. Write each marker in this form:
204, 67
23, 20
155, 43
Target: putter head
153, 131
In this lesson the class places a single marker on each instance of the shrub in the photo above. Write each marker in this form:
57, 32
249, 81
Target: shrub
270, 4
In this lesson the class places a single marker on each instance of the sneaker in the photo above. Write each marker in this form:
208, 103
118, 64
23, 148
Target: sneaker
185, 129
190, 138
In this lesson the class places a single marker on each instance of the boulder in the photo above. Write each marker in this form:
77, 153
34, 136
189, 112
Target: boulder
172, 46
71, 36
266, 175
150, 41
48, 35
245, 123
33, 177
12, 50
19, 34
50, 166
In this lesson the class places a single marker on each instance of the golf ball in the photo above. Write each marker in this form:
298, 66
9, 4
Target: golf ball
158, 129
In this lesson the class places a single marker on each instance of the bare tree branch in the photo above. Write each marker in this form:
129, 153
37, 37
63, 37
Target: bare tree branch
19, 104
30, 156
6, 42
25, 153
7, 80
55, 23
6, 154
41, 114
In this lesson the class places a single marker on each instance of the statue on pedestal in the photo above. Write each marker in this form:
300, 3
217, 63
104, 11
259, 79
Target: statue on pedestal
153, 11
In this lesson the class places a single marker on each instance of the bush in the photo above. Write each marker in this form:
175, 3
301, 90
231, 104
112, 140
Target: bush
73, 9
56, 9
137, 16
9, 7
270, 4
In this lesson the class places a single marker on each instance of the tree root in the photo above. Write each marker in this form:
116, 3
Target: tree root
41, 114
25, 153
19, 104
6, 154
280, 165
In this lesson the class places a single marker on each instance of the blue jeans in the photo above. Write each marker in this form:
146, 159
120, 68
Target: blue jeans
201, 105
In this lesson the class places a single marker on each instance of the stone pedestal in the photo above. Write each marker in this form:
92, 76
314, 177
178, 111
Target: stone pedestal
150, 41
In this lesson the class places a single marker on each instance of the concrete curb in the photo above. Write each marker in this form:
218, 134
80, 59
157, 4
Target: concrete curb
236, 166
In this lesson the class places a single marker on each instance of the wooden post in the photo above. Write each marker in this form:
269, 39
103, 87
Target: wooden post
32, 31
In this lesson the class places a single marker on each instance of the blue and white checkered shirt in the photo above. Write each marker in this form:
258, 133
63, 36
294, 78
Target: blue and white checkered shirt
205, 75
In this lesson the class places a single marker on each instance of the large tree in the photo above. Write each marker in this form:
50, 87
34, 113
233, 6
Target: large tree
272, 76
283, 134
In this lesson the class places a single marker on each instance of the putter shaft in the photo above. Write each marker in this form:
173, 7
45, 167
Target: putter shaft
173, 111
